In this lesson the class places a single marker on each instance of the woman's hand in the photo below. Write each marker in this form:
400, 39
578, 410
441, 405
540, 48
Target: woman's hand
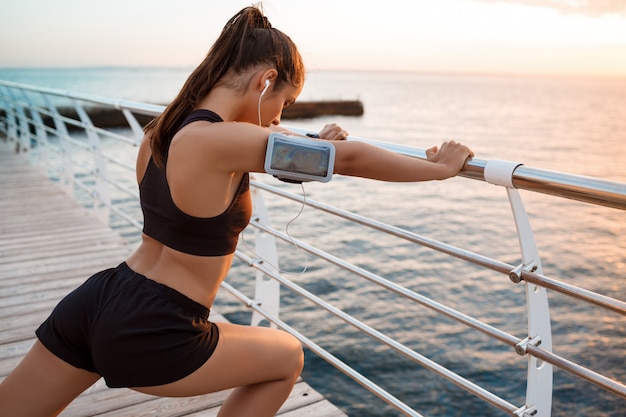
333, 132
451, 154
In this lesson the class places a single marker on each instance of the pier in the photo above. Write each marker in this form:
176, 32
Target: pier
50, 244
55, 233
111, 118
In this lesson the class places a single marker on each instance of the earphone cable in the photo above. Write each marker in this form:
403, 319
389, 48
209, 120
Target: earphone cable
291, 239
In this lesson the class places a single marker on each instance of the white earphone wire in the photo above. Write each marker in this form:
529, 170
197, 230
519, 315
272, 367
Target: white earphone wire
291, 239
293, 242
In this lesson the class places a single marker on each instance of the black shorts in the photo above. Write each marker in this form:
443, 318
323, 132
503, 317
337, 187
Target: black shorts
130, 329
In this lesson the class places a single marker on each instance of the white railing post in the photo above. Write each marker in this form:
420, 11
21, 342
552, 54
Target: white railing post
66, 170
134, 124
18, 127
11, 124
24, 132
539, 379
4, 124
41, 156
101, 194
267, 291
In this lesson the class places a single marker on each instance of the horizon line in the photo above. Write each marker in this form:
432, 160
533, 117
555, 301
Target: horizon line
526, 74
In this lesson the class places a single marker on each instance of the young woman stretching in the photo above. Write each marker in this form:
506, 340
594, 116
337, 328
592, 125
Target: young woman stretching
144, 324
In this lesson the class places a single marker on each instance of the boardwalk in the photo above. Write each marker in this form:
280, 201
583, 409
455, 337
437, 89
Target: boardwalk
49, 244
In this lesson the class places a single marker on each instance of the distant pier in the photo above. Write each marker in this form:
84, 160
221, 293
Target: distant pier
308, 109
111, 118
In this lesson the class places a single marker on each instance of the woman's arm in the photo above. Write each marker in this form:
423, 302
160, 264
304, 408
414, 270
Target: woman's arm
360, 159
233, 147
240, 147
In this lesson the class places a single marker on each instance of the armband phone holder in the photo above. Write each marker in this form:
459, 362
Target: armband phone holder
296, 160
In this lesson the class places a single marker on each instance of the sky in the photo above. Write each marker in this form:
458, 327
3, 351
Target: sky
574, 37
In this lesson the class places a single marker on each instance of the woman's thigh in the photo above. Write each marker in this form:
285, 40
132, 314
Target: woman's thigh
42, 385
245, 355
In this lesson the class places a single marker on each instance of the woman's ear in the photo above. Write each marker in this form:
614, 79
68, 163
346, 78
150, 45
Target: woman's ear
268, 75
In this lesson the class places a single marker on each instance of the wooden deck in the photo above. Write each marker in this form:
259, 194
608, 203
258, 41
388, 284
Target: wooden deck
49, 244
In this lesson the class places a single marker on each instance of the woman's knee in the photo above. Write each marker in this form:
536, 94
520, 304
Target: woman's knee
293, 354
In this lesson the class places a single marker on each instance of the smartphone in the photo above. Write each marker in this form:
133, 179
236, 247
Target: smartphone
296, 159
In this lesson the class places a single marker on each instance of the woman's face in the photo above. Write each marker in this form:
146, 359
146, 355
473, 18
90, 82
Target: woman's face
272, 104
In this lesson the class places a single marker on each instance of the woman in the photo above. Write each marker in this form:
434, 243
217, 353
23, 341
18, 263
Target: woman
144, 324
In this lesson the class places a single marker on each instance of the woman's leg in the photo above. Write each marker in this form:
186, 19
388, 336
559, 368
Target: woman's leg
42, 385
264, 363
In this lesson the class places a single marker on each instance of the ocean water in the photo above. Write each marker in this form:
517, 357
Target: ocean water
572, 124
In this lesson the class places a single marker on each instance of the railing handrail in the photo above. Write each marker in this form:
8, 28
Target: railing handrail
582, 188
573, 186
559, 184
135, 106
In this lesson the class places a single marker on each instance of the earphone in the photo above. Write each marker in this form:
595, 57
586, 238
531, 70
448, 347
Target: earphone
267, 85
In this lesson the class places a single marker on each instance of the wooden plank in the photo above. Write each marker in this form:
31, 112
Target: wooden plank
49, 245
322, 408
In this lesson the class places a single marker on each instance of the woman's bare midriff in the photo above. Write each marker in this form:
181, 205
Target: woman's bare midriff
197, 277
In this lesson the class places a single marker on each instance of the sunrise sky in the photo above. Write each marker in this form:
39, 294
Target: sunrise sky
485, 36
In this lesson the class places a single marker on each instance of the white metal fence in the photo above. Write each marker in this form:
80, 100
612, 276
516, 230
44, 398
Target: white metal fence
70, 147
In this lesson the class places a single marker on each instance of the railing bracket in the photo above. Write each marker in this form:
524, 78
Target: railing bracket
253, 303
516, 274
522, 347
499, 172
256, 261
526, 411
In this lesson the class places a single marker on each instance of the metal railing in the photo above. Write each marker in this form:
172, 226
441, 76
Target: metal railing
71, 148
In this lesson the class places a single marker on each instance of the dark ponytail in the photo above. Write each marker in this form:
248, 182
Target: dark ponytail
246, 41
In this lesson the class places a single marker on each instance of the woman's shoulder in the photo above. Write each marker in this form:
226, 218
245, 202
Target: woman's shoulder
229, 146
220, 134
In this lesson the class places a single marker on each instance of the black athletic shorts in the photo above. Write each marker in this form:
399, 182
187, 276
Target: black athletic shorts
130, 329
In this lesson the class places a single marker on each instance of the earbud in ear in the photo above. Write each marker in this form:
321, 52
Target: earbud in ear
267, 85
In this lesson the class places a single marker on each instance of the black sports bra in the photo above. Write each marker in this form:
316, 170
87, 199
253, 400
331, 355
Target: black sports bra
202, 236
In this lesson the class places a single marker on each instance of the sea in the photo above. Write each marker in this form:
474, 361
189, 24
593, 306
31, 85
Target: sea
572, 124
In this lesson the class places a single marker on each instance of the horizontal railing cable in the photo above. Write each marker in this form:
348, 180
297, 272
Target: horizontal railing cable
474, 258
91, 191
141, 108
94, 194
422, 360
396, 288
122, 188
69, 121
600, 380
324, 354
600, 300
611, 385
85, 146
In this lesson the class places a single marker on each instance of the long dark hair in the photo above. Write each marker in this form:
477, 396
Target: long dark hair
246, 41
